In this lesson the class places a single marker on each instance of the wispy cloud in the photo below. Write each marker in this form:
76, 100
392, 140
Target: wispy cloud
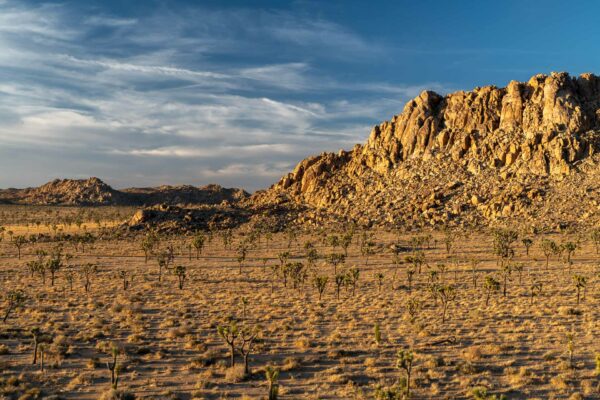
135, 102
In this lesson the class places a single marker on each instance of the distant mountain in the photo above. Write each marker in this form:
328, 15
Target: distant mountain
94, 192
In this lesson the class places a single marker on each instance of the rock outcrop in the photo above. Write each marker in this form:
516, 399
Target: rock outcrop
94, 192
524, 151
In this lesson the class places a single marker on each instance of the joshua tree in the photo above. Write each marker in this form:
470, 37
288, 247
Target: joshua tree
87, 271
449, 238
570, 248
380, 277
377, 333
113, 368
413, 305
339, 281
351, 278
54, 264
548, 248
336, 259
333, 241
503, 241
148, 244
404, 362
230, 333
417, 260
527, 242
19, 241
474, 264
36, 333
519, 267
446, 294
506, 271
164, 259
272, 375
198, 244
490, 285
595, 235
321, 284
535, 290
367, 249
247, 336
180, 271
345, 242
410, 272
571, 348
580, 282
14, 298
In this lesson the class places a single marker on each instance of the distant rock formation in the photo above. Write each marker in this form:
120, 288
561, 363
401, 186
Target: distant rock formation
94, 192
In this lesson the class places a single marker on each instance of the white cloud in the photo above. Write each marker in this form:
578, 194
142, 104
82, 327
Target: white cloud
151, 103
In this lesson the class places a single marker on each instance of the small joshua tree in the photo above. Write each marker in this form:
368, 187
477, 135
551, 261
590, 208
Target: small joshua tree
447, 294
345, 242
247, 337
377, 333
506, 272
380, 277
580, 283
570, 248
19, 241
571, 348
595, 236
54, 264
404, 361
336, 259
87, 271
410, 273
14, 299
180, 272
340, 279
548, 248
490, 285
351, 278
113, 367
272, 375
413, 305
519, 268
535, 290
527, 242
321, 284
198, 244
416, 260
124, 278
148, 245
474, 263
230, 333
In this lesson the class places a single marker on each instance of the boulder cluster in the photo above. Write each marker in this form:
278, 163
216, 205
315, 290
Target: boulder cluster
525, 152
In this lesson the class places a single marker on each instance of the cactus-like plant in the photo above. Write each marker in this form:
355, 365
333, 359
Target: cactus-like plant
490, 285
580, 282
272, 375
198, 244
527, 243
230, 333
14, 299
404, 361
447, 294
113, 367
321, 283
535, 290
181, 272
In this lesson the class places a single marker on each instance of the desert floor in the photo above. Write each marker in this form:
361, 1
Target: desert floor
169, 347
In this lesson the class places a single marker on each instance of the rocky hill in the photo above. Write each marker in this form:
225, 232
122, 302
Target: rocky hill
526, 152
94, 192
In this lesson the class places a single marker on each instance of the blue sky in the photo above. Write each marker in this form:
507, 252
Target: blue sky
237, 92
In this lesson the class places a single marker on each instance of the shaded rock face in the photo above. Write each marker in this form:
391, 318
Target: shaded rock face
536, 133
94, 192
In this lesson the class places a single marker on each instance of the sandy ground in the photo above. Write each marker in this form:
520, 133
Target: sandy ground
169, 346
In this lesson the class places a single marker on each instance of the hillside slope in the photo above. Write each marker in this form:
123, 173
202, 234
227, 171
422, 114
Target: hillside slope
525, 152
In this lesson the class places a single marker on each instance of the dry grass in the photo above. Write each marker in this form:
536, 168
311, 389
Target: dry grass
169, 346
